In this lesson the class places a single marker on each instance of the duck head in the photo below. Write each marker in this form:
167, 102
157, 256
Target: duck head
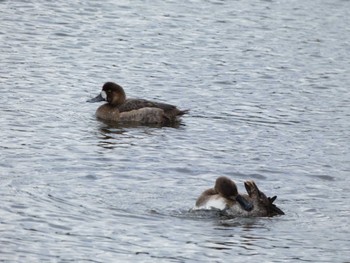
112, 93
226, 187
261, 201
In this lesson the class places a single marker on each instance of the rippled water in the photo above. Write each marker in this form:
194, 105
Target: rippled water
267, 83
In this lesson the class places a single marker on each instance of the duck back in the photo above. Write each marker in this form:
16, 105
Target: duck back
170, 111
143, 115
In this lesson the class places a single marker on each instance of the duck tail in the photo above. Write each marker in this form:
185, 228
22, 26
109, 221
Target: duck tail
182, 112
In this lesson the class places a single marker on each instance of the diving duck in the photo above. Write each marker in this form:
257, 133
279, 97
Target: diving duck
224, 196
120, 109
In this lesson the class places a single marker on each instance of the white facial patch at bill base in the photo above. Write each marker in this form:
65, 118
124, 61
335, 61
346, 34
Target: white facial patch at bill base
104, 95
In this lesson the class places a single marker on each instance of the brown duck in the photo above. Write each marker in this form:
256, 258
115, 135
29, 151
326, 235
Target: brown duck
224, 196
120, 109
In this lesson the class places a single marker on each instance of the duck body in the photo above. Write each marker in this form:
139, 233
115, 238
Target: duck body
143, 115
120, 109
210, 199
224, 196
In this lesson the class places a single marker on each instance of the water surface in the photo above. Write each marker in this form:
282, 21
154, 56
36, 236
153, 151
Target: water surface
267, 83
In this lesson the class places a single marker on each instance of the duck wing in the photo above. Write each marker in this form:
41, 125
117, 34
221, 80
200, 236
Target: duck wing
135, 104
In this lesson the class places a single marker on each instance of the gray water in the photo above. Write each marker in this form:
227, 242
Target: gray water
267, 85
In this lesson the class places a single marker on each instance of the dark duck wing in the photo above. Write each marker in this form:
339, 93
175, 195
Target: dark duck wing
135, 104
170, 111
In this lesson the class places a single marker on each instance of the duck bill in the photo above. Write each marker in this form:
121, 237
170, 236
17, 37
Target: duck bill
96, 99
245, 204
